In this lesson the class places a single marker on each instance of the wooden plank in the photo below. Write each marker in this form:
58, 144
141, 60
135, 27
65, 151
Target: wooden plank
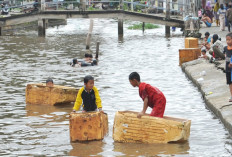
88, 126
40, 94
148, 129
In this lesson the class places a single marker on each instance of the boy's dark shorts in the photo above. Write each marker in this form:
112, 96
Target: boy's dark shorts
228, 77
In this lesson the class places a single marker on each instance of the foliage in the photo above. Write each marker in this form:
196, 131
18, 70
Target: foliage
139, 7
91, 8
125, 7
140, 26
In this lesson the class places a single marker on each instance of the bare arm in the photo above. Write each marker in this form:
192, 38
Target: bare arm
207, 46
140, 114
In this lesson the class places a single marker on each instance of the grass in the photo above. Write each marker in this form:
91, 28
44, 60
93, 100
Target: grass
140, 26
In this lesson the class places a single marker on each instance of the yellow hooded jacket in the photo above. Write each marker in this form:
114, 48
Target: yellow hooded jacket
82, 95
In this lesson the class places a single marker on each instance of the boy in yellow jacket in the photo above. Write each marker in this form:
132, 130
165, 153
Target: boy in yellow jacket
88, 96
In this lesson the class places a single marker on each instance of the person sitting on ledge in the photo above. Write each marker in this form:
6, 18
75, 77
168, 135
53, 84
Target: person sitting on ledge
203, 54
206, 20
216, 48
49, 82
206, 44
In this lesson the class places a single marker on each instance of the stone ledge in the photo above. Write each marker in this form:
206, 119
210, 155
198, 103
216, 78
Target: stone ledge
211, 81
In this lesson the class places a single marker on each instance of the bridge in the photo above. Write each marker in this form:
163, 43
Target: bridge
43, 16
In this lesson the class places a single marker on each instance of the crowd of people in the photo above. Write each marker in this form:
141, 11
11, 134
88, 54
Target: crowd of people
213, 45
217, 51
221, 14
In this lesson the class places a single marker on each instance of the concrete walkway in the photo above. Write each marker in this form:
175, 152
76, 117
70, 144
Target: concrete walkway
211, 81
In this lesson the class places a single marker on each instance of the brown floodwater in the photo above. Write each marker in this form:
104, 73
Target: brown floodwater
40, 130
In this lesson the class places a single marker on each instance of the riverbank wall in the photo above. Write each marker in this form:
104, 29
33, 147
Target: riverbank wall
210, 78
211, 82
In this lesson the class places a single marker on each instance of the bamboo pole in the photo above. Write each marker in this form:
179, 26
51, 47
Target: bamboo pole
89, 34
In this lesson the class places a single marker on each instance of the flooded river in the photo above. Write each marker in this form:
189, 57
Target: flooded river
33, 130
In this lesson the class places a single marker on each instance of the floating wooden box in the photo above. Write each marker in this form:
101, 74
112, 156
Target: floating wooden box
148, 129
88, 126
186, 55
191, 42
40, 94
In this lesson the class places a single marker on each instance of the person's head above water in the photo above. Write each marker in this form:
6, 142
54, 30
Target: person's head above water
75, 61
134, 79
49, 82
86, 55
88, 82
94, 62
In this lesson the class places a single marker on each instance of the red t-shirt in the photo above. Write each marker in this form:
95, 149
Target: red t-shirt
154, 94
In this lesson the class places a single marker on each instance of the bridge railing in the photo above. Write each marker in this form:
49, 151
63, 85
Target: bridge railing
149, 6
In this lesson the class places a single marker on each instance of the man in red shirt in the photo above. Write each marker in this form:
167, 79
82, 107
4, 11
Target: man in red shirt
151, 96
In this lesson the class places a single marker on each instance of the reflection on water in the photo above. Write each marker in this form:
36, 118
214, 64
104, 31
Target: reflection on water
151, 149
37, 110
93, 148
34, 130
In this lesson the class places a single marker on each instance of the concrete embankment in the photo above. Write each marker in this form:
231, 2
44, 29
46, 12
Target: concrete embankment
211, 81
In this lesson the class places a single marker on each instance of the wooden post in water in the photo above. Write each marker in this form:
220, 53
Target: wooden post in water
143, 26
41, 27
167, 28
89, 34
46, 23
97, 50
120, 27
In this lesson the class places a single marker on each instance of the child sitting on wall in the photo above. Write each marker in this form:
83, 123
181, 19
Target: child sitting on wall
203, 54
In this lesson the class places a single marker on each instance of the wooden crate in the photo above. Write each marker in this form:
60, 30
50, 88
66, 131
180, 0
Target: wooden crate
148, 129
186, 55
191, 43
88, 126
40, 94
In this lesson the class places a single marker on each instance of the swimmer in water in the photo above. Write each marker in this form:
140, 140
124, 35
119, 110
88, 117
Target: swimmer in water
87, 58
93, 62
49, 82
75, 63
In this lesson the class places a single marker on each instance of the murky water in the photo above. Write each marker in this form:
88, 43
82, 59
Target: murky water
44, 130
